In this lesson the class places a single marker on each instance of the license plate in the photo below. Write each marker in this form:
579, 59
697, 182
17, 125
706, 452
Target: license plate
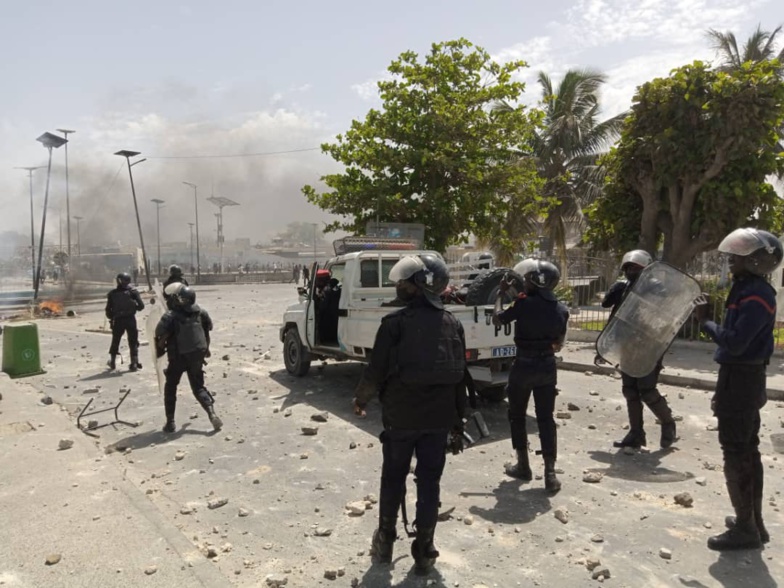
506, 351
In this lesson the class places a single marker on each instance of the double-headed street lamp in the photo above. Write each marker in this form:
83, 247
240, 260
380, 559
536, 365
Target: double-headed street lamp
78, 236
127, 155
30, 171
65, 133
198, 254
158, 203
49, 141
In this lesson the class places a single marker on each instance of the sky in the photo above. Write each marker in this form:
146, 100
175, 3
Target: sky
205, 78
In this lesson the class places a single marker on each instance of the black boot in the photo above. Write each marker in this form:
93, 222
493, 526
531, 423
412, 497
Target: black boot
758, 491
384, 539
217, 424
661, 409
423, 550
744, 533
170, 404
112, 363
551, 482
522, 469
169, 427
636, 435
134, 365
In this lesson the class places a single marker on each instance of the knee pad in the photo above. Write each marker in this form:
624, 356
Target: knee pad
204, 397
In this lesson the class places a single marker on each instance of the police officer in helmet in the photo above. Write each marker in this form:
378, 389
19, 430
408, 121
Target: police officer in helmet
122, 304
745, 344
540, 329
183, 334
418, 368
639, 391
170, 286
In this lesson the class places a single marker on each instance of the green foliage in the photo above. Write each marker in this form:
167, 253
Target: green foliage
565, 293
692, 162
436, 153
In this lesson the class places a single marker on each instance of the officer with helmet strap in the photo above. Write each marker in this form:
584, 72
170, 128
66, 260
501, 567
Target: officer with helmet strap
540, 328
637, 391
418, 368
745, 344
122, 304
173, 283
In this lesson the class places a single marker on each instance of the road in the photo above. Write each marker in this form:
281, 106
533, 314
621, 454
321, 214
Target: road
287, 492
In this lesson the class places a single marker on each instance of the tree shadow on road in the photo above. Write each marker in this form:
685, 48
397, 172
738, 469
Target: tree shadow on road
742, 569
640, 467
154, 436
513, 505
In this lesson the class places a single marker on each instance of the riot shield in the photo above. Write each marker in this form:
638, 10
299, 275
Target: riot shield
156, 312
648, 319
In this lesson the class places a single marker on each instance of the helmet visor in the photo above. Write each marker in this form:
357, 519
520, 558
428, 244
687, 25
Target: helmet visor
741, 242
526, 266
405, 268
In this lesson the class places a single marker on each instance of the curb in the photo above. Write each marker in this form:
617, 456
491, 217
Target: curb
664, 378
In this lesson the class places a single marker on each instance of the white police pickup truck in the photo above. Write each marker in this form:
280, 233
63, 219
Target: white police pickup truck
340, 322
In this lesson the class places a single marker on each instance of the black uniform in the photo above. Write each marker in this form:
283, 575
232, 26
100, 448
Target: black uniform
745, 341
184, 333
122, 304
540, 324
172, 280
418, 366
641, 390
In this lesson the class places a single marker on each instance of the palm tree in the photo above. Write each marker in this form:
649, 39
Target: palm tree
760, 46
566, 151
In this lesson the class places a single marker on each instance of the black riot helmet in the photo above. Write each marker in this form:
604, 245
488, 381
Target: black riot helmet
540, 275
762, 251
175, 271
185, 297
123, 280
427, 272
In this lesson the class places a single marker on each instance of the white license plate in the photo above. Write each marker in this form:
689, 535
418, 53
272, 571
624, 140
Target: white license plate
506, 351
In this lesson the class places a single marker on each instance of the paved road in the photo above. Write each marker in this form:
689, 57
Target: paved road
291, 488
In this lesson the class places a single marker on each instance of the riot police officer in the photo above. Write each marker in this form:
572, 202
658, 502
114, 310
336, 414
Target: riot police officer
418, 367
745, 344
175, 277
184, 335
637, 391
540, 328
122, 304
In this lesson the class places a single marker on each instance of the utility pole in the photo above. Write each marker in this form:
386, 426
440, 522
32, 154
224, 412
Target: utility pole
158, 203
78, 219
191, 226
30, 171
198, 253
127, 155
65, 133
221, 202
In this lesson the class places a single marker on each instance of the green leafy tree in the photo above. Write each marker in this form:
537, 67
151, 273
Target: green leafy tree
436, 153
692, 162
566, 149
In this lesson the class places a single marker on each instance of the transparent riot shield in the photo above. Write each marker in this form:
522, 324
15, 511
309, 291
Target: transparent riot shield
156, 312
648, 319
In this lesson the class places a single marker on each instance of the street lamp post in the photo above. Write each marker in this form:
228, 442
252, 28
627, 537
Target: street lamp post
221, 202
315, 226
198, 254
49, 141
65, 133
158, 203
191, 226
78, 219
30, 171
127, 155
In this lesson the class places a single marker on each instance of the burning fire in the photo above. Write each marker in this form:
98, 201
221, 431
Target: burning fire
50, 308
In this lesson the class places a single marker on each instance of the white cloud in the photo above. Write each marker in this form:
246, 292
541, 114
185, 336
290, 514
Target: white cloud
368, 90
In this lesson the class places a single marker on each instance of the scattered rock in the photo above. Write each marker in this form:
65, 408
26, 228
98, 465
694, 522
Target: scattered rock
277, 580
287, 412
90, 391
150, 570
212, 552
597, 538
331, 574
320, 417
371, 498
665, 553
93, 424
186, 510
572, 406
684, 499
243, 512
356, 509
47, 400
310, 431
468, 520
227, 547
701, 481
563, 415
225, 357
593, 477
322, 532
217, 503
602, 573
352, 445
53, 559
65, 444
592, 563
593, 393
179, 456
562, 515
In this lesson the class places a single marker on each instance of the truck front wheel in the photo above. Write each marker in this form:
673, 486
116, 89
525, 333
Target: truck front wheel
295, 356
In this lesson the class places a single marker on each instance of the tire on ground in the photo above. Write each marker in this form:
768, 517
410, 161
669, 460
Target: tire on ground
484, 289
295, 356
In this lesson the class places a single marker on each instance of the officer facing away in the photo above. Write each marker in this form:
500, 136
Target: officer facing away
175, 277
540, 328
637, 391
122, 304
184, 335
418, 366
745, 344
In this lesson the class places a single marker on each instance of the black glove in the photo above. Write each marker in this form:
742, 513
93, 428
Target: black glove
455, 443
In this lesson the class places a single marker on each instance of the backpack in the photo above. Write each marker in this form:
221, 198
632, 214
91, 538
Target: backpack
189, 333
